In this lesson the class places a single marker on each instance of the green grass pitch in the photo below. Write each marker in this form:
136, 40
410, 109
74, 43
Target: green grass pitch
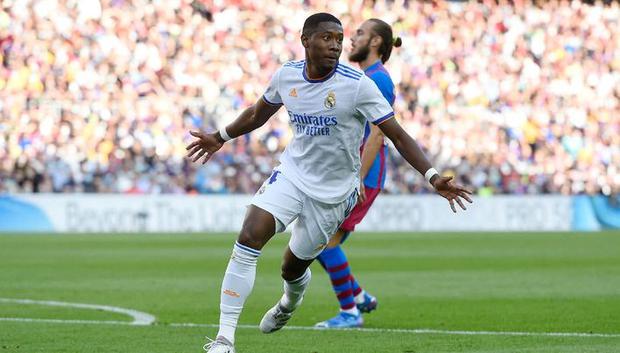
532, 283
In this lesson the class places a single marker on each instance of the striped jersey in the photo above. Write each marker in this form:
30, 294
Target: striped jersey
328, 117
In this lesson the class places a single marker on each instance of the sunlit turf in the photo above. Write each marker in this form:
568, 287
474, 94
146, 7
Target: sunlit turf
506, 282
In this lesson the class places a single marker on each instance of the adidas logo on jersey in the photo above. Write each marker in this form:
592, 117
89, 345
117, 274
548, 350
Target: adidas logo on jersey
293, 93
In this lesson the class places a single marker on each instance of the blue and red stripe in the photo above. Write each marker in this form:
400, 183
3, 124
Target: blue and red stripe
335, 262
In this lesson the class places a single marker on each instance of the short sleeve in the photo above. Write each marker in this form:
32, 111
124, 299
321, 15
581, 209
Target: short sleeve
272, 94
385, 85
371, 104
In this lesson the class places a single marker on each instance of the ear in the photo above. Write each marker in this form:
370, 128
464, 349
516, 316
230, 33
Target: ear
305, 41
376, 41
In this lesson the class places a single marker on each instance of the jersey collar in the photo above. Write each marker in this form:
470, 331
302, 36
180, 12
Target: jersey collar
322, 79
373, 66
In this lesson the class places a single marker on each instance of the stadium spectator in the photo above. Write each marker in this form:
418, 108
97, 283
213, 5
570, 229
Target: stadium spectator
96, 96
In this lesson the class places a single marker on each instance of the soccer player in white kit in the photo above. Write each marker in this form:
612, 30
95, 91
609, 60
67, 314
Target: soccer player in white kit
318, 179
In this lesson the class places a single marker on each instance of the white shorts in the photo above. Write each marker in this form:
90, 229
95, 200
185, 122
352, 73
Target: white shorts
316, 221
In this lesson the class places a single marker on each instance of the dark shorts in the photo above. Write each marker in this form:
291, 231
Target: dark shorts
360, 210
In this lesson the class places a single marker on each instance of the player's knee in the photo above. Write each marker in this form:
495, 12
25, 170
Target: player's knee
250, 238
257, 229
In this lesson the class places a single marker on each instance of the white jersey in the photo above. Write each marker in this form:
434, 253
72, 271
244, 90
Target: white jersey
327, 117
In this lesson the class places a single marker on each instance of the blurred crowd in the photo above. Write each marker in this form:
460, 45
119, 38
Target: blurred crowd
99, 95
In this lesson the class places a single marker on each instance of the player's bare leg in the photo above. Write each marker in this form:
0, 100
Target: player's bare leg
258, 228
296, 274
336, 239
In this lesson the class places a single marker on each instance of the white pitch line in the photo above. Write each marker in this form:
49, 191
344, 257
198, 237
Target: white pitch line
422, 331
58, 321
139, 318
310, 328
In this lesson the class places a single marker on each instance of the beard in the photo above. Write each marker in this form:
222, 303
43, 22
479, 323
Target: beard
360, 55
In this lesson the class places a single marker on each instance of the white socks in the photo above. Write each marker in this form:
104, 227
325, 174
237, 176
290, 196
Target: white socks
294, 291
236, 287
359, 299
353, 311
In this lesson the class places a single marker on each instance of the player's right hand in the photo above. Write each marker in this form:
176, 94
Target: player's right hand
204, 145
361, 196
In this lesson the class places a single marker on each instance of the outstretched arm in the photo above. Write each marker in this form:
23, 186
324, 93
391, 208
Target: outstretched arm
249, 120
409, 149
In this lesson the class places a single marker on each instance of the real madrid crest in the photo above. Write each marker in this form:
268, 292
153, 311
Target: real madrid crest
330, 100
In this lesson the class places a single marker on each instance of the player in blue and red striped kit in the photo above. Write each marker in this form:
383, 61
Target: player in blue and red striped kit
371, 48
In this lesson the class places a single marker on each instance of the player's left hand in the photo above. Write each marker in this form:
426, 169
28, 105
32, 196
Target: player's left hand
205, 145
451, 192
